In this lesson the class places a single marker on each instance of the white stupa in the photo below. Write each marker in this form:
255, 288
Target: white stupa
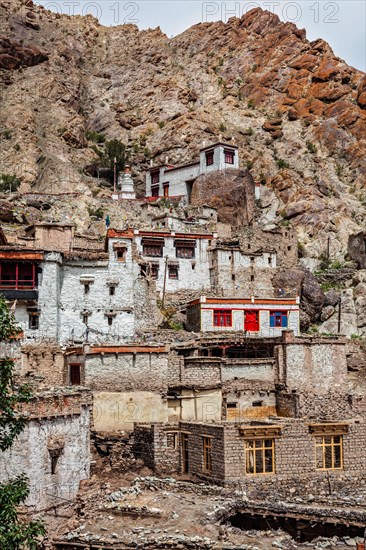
125, 183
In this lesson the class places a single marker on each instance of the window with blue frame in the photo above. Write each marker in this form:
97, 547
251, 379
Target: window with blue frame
278, 319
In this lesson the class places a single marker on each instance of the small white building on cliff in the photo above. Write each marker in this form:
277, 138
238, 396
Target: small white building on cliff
177, 181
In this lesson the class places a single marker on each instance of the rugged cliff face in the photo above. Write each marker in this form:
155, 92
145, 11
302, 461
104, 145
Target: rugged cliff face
297, 112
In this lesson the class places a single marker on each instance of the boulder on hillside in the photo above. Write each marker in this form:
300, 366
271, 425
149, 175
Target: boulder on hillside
231, 192
300, 282
13, 55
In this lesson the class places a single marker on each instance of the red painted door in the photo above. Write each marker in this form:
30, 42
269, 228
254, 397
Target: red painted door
251, 321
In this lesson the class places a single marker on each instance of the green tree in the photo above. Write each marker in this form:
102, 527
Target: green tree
113, 149
9, 183
15, 533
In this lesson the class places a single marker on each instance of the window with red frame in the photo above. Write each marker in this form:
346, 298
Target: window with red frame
155, 191
229, 156
222, 318
155, 177
166, 189
17, 275
209, 158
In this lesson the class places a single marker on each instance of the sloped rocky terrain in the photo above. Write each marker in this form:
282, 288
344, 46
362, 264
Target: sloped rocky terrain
297, 112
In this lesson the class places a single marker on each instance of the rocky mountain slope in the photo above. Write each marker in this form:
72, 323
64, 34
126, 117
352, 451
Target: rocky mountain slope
297, 112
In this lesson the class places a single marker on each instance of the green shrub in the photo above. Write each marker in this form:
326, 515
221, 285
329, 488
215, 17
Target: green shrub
94, 136
222, 127
96, 212
311, 147
251, 104
282, 163
9, 183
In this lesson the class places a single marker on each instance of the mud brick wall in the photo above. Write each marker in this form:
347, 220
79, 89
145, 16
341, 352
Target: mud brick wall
45, 360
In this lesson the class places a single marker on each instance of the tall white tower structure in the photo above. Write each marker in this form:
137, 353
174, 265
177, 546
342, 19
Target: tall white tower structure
125, 183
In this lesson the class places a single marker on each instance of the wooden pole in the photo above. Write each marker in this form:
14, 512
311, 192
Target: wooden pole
328, 251
115, 175
164, 285
339, 313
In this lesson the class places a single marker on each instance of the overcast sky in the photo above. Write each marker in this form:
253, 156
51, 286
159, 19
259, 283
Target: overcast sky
342, 23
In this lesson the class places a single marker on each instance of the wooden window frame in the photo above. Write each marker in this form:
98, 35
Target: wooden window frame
229, 156
323, 446
207, 454
33, 321
166, 189
185, 250
172, 271
153, 249
258, 446
155, 190
226, 315
278, 314
71, 366
17, 283
155, 177
209, 158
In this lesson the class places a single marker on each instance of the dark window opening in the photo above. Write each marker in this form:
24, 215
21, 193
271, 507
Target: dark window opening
54, 460
231, 405
209, 158
252, 277
155, 191
112, 290
270, 259
173, 272
233, 277
75, 374
255, 351
33, 321
185, 453
289, 248
85, 319
257, 404
121, 254
110, 321
216, 352
86, 289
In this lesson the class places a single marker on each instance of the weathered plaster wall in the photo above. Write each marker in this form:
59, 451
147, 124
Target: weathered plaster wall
318, 366
113, 411
67, 425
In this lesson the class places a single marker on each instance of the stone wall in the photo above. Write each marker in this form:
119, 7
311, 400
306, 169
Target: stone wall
158, 446
60, 425
44, 360
124, 370
294, 453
